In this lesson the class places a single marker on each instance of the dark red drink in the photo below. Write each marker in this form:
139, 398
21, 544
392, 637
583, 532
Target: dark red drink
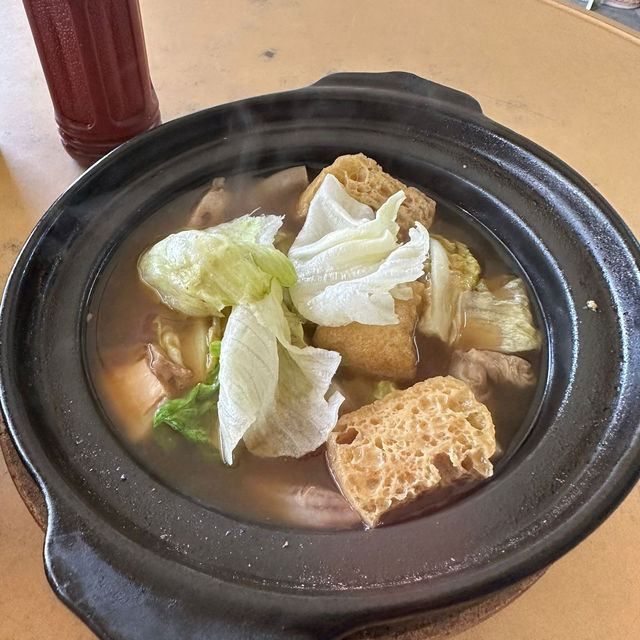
95, 63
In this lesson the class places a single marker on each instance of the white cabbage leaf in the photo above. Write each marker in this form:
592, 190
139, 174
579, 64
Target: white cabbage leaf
272, 393
184, 341
349, 262
498, 319
452, 271
200, 272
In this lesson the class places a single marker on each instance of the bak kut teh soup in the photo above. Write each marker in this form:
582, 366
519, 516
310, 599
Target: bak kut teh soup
328, 355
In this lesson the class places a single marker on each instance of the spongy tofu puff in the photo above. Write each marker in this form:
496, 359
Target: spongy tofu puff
364, 180
384, 351
388, 453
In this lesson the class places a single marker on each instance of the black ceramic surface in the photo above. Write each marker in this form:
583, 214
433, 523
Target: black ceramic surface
137, 560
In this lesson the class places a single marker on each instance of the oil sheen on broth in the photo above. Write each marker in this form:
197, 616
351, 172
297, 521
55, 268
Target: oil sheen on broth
280, 491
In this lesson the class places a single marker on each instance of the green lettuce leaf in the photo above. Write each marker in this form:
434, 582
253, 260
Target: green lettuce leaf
248, 228
199, 273
348, 259
272, 392
195, 415
498, 319
452, 271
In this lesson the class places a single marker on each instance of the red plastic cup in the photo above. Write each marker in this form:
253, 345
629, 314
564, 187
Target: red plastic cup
95, 63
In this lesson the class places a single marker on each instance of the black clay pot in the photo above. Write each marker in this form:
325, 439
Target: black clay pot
138, 560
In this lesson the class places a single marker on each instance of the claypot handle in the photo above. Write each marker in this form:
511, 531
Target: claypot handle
403, 82
116, 588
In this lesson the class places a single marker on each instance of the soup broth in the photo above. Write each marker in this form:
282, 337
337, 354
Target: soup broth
277, 491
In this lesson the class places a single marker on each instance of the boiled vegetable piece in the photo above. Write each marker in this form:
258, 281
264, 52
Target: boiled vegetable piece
365, 181
498, 319
195, 415
199, 273
452, 271
348, 259
272, 392
184, 341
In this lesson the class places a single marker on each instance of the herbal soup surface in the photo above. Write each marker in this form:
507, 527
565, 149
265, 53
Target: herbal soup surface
282, 490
